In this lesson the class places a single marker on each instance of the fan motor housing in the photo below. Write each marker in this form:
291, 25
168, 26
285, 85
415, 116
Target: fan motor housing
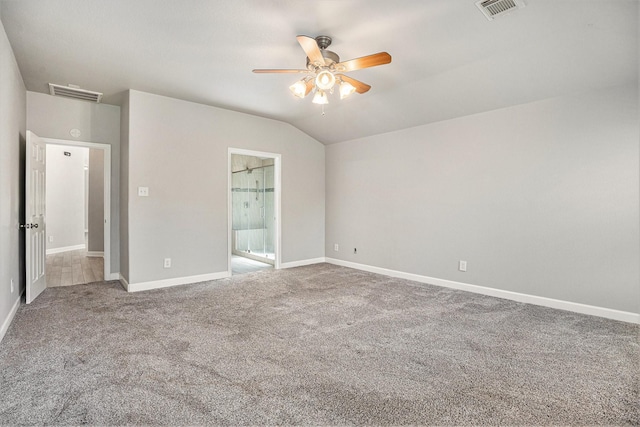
330, 58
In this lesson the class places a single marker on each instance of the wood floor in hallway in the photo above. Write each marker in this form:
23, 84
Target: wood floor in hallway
73, 268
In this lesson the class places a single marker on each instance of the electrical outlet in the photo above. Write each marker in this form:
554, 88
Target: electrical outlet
355, 251
143, 191
11, 285
462, 265
167, 263
50, 239
336, 247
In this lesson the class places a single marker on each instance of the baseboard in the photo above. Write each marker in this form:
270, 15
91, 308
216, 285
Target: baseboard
123, 282
9, 318
303, 262
65, 249
623, 316
114, 276
156, 284
95, 254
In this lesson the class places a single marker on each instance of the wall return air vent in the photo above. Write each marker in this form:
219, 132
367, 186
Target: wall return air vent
496, 8
73, 91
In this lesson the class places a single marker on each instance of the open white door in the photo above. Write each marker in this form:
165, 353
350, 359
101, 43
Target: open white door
35, 257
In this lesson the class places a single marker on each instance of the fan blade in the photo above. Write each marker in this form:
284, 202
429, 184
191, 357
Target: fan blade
380, 58
310, 84
360, 87
310, 47
266, 70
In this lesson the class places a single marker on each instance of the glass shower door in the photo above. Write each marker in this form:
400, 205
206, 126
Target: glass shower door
253, 218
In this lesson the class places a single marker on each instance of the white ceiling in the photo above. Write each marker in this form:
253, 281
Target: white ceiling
448, 59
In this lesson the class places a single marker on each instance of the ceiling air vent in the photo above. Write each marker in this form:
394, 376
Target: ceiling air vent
73, 91
495, 8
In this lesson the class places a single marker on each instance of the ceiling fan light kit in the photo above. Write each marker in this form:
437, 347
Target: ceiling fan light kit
324, 70
325, 80
302, 87
346, 89
320, 98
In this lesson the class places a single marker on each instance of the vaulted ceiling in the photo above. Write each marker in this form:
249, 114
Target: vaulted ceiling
448, 59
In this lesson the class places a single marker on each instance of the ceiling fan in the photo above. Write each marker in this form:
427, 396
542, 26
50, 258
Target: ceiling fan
324, 70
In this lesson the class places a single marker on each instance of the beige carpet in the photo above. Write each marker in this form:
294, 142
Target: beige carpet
316, 345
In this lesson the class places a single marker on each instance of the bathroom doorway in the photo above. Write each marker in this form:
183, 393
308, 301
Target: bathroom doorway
254, 202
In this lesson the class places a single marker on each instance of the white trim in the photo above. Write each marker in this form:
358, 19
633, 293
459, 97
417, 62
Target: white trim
277, 208
106, 189
303, 262
95, 254
156, 284
123, 282
65, 249
9, 318
623, 316
114, 276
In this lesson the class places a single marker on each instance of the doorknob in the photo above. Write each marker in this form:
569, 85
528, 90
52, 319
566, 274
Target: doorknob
28, 225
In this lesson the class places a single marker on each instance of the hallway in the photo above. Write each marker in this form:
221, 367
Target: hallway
73, 268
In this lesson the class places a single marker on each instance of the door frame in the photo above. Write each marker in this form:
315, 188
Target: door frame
107, 193
276, 201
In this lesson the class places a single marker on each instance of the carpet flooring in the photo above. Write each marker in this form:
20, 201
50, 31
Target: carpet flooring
315, 345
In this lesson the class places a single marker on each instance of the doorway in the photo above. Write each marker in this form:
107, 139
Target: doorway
78, 231
74, 215
254, 203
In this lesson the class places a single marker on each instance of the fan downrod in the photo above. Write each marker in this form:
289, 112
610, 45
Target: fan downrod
323, 42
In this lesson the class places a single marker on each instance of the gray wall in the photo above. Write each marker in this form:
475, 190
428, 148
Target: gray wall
53, 117
540, 199
12, 140
180, 151
95, 240
65, 194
